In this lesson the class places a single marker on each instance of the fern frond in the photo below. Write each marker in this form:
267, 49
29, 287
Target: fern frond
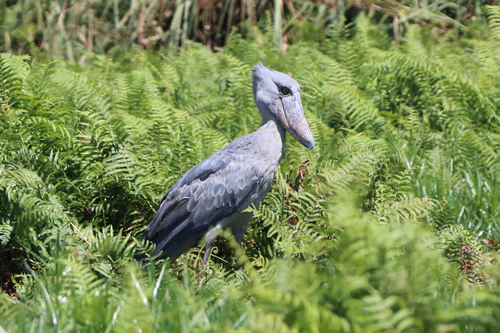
494, 20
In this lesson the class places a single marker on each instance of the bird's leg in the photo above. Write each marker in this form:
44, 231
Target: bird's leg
210, 238
240, 227
208, 250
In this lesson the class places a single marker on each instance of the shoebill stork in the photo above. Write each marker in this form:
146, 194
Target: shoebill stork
213, 194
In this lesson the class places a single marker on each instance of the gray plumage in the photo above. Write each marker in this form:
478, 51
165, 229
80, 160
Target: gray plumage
213, 194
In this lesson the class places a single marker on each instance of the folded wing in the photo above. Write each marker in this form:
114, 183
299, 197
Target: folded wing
214, 189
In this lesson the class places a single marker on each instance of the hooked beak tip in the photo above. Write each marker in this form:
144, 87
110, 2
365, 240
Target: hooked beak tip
310, 145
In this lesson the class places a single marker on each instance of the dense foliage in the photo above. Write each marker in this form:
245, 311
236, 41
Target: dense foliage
389, 224
67, 29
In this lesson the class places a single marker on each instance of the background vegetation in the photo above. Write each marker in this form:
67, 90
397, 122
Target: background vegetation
67, 29
389, 224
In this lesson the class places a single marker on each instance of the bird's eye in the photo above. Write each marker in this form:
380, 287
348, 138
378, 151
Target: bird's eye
285, 91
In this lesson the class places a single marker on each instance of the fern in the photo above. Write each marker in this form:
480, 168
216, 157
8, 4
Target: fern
494, 20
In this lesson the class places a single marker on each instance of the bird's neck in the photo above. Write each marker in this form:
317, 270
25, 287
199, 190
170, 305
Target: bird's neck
275, 129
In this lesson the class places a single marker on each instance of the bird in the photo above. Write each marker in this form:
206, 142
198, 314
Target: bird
213, 195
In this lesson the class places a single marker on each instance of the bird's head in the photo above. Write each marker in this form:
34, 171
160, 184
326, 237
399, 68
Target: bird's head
278, 94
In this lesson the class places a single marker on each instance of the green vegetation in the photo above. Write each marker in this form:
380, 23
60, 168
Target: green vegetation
68, 29
389, 224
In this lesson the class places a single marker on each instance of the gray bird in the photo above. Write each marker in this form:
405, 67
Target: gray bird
213, 194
